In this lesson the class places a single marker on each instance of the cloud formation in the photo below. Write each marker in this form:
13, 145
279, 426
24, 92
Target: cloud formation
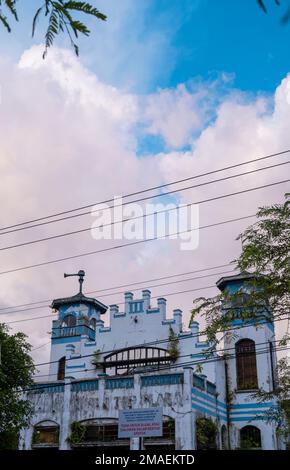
68, 139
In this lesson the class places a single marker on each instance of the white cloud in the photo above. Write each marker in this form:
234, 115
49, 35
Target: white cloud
175, 115
69, 139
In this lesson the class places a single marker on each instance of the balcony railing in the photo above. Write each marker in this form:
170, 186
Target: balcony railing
78, 330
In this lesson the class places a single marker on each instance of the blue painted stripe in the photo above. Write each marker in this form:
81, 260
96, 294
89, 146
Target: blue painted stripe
208, 397
204, 410
247, 419
200, 355
206, 405
252, 405
77, 366
66, 339
248, 412
218, 409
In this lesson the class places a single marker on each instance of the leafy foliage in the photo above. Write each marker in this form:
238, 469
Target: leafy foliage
266, 254
15, 373
78, 433
206, 432
285, 18
280, 412
59, 14
173, 344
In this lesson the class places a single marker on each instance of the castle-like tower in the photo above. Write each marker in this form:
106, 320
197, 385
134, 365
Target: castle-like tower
249, 365
143, 359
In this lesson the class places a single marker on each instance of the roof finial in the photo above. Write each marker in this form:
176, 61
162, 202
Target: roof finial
81, 275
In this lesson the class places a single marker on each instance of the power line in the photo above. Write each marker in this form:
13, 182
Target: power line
119, 303
135, 201
149, 189
134, 290
166, 367
45, 263
165, 340
124, 285
42, 346
211, 353
74, 232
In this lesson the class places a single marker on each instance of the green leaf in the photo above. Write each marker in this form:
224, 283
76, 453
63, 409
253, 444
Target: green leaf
35, 18
4, 21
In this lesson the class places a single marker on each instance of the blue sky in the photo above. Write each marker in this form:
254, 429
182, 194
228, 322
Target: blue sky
161, 43
192, 85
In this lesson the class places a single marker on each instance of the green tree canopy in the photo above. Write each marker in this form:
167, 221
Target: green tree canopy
59, 16
266, 254
16, 370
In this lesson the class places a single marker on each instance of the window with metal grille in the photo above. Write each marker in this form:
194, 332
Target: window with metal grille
102, 432
45, 434
250, 438
246, 365
61, 369
126, 361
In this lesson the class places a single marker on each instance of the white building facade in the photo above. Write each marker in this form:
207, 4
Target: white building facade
145, 359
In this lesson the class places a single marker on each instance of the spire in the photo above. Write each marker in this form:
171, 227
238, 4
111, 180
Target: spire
81, 275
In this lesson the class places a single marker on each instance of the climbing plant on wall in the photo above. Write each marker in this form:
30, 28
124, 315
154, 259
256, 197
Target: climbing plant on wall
206, 433
78, 433
173, 344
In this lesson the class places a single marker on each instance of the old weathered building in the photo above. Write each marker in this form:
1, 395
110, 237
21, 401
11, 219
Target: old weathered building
145, 359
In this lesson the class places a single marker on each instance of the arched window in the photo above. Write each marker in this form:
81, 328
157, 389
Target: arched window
246, 365
61, 369
250, 438
93, 322
45, 434
128, 360
206, 433
224, 437
69, 320
97, 432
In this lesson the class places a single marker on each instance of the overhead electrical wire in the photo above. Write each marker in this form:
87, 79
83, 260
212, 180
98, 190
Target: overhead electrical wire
74, 232
145, 199
167, 367
152, 188
133, 290
209, 354
58, 260
125, 285
185, 336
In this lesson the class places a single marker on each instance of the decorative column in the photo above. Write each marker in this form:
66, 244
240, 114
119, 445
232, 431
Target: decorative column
186, 418
65, 425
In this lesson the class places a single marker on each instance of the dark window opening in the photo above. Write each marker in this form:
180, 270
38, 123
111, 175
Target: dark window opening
61, 369
102, 432
250, 438
93, 323
45, 436
69, 320
246, 365
224, 437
